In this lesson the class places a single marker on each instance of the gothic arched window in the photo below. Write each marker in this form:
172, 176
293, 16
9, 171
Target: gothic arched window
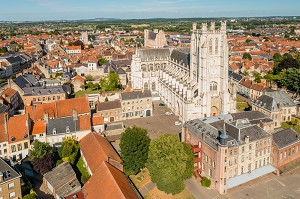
213, 86
146, 87
217, 46
210, 46
153, 86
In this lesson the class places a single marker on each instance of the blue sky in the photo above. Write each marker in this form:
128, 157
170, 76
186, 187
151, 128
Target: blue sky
20, 10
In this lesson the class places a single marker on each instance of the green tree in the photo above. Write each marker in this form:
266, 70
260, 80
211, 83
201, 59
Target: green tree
31, 195
39, 150
169, 163
106, 99
111, 82
91, 46
247, 56
89, 78
69, 150
291, 79
102, 61
134, 149
257, 77
286, 63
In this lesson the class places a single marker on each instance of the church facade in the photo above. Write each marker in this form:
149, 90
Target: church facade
193, 81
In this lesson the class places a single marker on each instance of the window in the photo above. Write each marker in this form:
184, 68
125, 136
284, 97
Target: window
12, 195
19, 147
13, 148
0, 189
285, 155
280, 156
250, 147
242, 158
206, 158
26, 145
243, 149
210, 172
58, 97
249, 167
213, 86
297, 149
250, 156
11, 185
242, 169
225, 168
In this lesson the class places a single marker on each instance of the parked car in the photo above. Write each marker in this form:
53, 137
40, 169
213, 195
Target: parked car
162, 104
177, 123
168, 113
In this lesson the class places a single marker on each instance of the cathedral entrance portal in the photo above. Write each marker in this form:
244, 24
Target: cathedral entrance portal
214, 111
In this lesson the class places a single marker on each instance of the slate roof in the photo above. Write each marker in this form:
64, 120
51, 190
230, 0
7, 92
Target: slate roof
236, 77
8, 172
181, 55
151, 35
108, 105
154, 53
285, 137
251, 115
136, 95
3, 108
282, 97
50, 90
61, 124
27, 80
63, 179
267, 102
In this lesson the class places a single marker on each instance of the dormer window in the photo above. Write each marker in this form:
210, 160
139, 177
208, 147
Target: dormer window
13, 138
54, 131
67, 129
25, 135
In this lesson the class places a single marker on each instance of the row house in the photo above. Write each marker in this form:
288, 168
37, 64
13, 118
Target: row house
136, 104
277, 104
12, 99
111, 111
286, 145
230, 152
10, 181
73, 49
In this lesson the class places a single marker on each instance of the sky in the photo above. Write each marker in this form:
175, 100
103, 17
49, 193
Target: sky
35, 10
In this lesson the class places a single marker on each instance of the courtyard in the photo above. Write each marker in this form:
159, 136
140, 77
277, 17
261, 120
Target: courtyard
158, 123
270, 187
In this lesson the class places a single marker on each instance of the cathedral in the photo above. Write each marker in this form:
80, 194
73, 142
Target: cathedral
193, 82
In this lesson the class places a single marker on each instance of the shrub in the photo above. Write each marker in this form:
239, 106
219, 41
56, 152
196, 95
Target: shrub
205, 182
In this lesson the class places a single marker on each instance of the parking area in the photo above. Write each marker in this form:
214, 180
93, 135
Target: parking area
269, 187
158, 123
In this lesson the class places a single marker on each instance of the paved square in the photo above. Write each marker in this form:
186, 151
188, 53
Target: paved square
158, 123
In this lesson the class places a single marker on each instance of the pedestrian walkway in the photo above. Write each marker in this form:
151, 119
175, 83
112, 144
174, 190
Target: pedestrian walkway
148, 187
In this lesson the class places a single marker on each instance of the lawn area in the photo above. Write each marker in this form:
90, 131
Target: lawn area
84, 175
141, 179
241, 104
286, 125
155, 193
82, 93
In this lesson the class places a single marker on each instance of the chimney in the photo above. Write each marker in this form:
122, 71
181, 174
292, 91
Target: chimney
46, 118
75, 114
247, 139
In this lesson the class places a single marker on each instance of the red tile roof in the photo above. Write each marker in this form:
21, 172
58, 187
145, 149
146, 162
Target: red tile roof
77, 195
108, 182
8, 93
38, 127
97, 149
58, 109
97, 120
85, 122
17, 128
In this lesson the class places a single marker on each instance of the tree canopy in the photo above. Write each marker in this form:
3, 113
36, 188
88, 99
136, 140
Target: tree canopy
69, 150
288, 62
170, 162
39, 149
247, 56
111, 82
44, 164
292, 79
134, 149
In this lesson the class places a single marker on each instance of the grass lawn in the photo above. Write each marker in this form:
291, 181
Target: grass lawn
241, 104
156, 193
84, 175
82, 93
141, 179
286, 125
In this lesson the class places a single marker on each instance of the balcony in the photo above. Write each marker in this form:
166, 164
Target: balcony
196, 148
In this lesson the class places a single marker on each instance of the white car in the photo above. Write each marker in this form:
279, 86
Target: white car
177, 123
168, 113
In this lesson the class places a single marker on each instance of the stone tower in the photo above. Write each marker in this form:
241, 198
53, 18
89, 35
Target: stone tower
209, 67
84, 37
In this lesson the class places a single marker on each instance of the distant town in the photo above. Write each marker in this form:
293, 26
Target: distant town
150, 108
